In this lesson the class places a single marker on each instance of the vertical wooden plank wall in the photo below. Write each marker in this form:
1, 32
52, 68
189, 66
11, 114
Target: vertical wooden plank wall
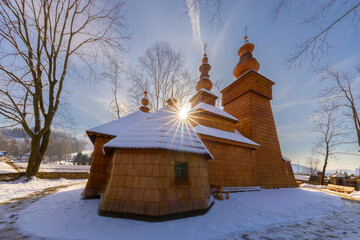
248, 99
143, 182
233, 166
99, 171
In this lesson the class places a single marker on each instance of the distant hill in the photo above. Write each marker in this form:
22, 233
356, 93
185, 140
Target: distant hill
61, 143
348, 171
300, 169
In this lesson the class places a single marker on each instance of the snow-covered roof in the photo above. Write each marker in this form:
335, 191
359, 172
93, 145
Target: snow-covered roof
210, 108
161, 130
26, 154
337, 175
233, 136
118, 126
207, 91
285, 158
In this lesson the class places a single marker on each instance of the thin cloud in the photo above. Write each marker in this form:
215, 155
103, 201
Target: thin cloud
284, 106
193, 11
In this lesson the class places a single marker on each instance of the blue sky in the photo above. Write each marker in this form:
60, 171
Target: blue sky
295, 90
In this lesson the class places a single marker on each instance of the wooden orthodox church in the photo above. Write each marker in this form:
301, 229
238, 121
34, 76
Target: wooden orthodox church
157, 166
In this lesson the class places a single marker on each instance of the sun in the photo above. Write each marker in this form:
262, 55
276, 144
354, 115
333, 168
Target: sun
183, 113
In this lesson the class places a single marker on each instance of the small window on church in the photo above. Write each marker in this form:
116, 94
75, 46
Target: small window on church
180, 169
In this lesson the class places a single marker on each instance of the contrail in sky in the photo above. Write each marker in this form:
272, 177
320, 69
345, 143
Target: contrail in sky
194, 15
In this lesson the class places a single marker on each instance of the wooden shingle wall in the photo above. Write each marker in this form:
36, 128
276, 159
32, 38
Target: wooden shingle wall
256, 122
99, 171
233, 165
207, 119
143, 182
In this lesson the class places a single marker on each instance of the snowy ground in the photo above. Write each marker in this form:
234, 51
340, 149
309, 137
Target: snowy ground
266, 214
48, 167
22, 188
6, 168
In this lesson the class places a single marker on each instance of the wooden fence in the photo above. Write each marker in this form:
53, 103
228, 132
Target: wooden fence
350, 183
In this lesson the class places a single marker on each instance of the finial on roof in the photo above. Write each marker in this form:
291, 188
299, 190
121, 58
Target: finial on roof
204, 68
247, 61
205, 46
246, 35
145, 102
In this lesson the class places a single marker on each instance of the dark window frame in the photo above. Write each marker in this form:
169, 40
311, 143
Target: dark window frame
183, 179
182, 167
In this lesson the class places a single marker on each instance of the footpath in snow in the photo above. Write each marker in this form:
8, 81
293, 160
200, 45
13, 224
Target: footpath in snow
23, 187
64, 215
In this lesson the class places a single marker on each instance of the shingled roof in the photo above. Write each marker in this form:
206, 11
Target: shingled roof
119, 126
161, 130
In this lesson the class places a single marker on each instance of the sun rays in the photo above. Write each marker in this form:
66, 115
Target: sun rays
183, 113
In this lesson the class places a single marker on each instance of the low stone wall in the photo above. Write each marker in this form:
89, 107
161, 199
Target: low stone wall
46, 175
10, 176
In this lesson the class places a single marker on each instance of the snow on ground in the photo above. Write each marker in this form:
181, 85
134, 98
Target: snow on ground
48, 167
21, 187
355, 194
6, 168
65, 215
306, 185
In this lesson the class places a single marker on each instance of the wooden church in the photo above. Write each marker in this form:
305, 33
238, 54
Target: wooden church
156, 166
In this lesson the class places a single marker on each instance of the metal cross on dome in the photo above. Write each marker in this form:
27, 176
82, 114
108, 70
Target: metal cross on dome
246, 35
205, 45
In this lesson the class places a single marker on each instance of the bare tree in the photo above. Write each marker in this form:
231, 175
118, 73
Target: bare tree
343, 91
325, 16
162, 72
218, 85
41, 41
330, 128
113, 73
312, 166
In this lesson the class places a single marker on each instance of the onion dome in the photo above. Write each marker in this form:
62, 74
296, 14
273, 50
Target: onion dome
247, 61
204, 81
145, 103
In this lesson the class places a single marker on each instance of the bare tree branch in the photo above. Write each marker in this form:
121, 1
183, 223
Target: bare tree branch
39, 41
325, 16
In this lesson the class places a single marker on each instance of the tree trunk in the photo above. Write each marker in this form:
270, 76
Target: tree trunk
325, 164
323, 173
38, 149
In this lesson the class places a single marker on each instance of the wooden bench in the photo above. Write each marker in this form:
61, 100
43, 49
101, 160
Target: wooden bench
339, 188
217, 192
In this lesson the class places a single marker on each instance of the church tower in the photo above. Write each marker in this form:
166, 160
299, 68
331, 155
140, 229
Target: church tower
233, 164
248, 99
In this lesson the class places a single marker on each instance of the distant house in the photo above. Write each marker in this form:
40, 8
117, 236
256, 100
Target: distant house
302, 177
25, 157
4, 156
336, 178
